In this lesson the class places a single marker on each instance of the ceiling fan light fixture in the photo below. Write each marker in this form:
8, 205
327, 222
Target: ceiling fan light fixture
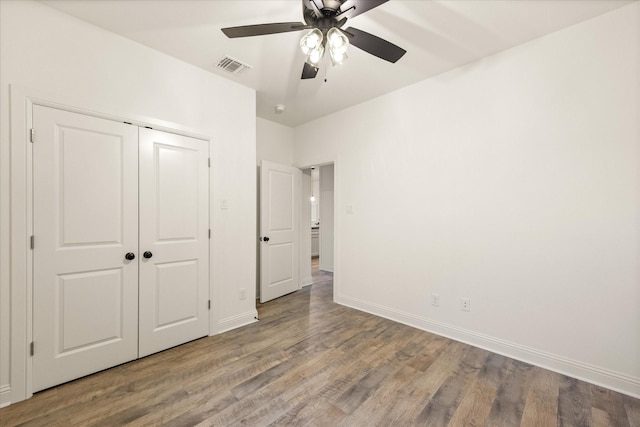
337, 40
311, 41
315, 56
323, 20
337, 58
338, 44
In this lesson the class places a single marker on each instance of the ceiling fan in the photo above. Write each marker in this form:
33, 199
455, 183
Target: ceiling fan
325, 19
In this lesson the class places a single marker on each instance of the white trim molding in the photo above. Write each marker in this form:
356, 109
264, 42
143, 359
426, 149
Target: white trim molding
21, 227
5, 399
237, 321
306, 281
583, 371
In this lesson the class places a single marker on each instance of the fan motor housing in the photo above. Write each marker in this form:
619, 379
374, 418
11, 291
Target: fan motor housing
330, 10
331, 7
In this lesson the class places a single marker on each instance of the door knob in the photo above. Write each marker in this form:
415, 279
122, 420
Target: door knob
265, 239
147, 254
130, 256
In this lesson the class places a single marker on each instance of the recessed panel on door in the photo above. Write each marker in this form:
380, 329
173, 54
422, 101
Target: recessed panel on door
177, 192
89, 310
174, 297
282, 265
177, 291
281, 209
85, 220
90, 162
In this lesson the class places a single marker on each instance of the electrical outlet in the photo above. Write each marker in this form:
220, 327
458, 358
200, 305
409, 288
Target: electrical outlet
465, 304
243, 293
435, 300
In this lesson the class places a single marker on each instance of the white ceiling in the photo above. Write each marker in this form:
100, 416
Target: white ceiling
438, 36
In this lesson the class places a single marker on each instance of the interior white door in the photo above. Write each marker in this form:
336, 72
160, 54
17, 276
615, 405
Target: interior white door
279, 216
174, 245
85, 220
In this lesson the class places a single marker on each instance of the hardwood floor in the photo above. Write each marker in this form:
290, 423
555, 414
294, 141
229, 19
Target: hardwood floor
312, 362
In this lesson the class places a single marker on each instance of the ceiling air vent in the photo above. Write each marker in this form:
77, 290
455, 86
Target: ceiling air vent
233, 66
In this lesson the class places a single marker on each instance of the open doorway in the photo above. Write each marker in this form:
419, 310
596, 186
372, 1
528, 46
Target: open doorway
315, 218
318, 243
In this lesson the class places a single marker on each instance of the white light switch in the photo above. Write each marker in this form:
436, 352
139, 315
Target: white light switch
349, 209
224, 204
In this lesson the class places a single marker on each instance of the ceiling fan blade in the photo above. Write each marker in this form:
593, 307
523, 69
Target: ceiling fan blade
361, 6
309, 71
374, 45
263, 29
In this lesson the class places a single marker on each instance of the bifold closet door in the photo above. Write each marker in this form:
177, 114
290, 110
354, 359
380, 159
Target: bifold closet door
120, 260
174, 240
85, 221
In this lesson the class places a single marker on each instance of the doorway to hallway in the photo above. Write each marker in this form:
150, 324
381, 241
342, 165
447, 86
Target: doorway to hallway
318, 191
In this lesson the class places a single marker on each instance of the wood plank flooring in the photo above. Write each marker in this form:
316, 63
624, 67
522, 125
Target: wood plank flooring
310, 362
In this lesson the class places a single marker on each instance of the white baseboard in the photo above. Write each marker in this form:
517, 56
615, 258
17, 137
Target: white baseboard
583, 371
306, 281
5, 395
237, 321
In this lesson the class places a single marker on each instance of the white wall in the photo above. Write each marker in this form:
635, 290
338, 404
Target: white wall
304, 263
513, 181
46, 52
315, 191
326, 202
274, 142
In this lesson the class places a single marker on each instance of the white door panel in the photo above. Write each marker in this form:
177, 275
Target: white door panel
281, 194
279, 216
85, 295
176, 304
177, 199
88, 161
174, 229
88, 309
281, 262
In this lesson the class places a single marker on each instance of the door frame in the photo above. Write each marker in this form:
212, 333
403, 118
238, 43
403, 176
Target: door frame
337, 222
20, 295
